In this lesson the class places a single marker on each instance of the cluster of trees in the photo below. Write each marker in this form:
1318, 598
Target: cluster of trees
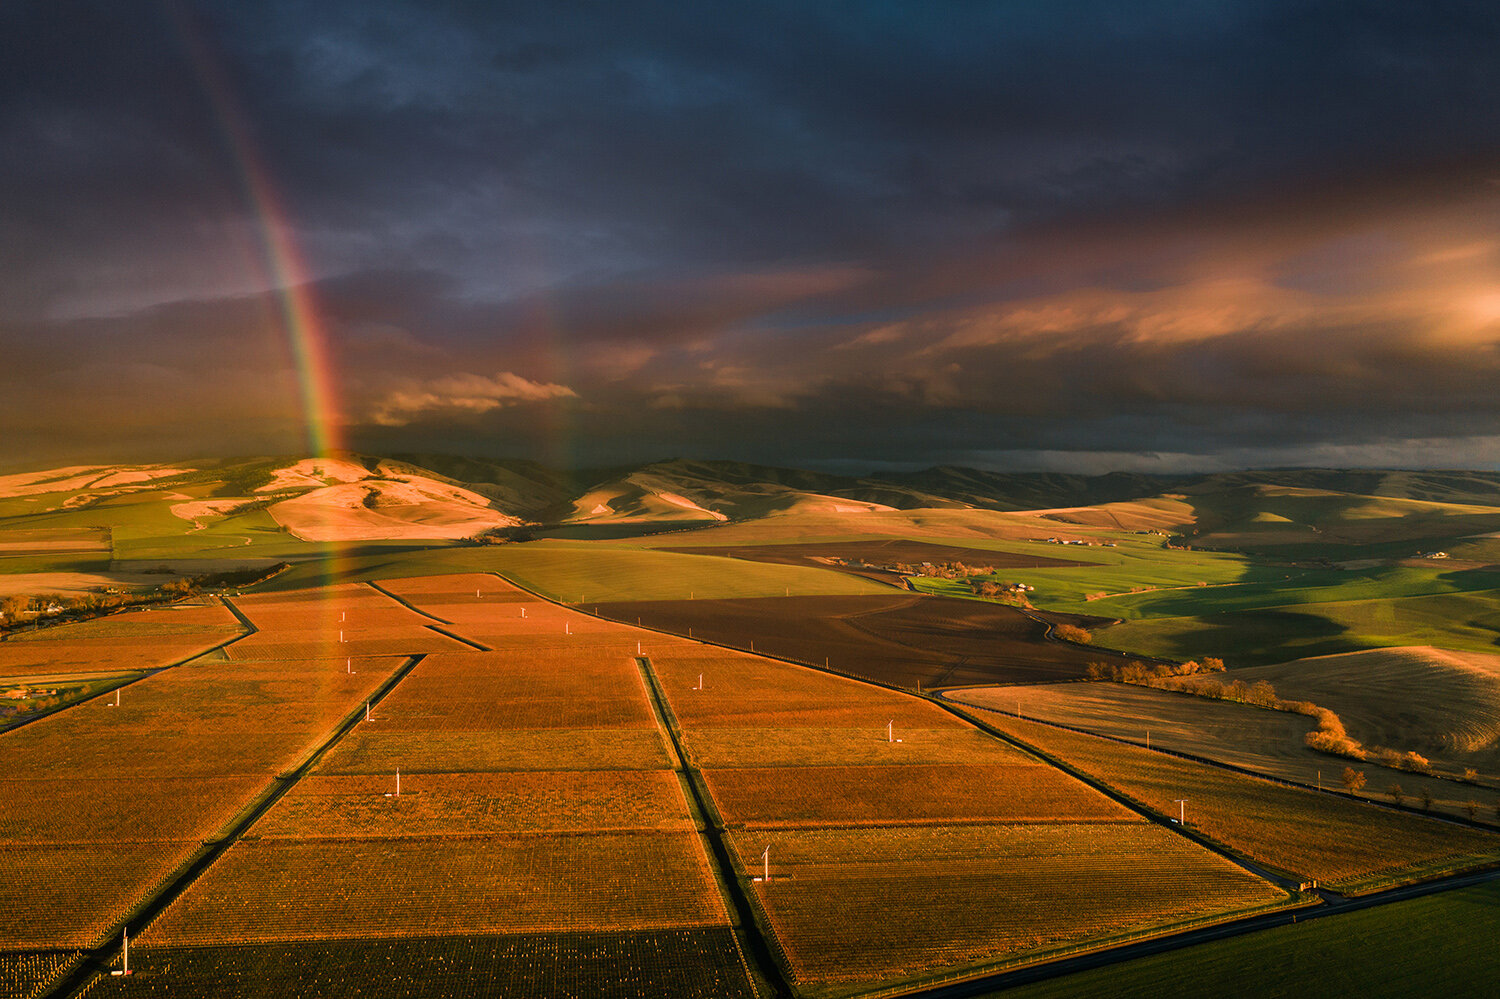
1075, 634
1013, 594
944, 570
502, 535
1160, 675
35, 700
1329, 737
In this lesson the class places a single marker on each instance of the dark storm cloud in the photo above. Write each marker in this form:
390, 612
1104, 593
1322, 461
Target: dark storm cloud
967, 228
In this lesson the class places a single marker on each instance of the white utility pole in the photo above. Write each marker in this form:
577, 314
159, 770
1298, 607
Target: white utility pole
1181, 811
766, 860
700, 682
124, 968
890, 734
398, 782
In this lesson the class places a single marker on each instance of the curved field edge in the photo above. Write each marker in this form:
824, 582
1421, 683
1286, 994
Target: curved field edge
1385, 952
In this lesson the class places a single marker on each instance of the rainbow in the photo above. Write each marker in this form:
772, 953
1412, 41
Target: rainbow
284, 270
286, 275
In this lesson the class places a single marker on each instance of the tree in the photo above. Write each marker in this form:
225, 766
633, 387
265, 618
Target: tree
1073, 633
11, 608
1470, 775
1426, 800
1354, 780
1397, 795
1472, 807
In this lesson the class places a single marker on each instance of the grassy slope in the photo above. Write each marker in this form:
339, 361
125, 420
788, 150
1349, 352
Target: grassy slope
1253, 612
1438, 945
571, 571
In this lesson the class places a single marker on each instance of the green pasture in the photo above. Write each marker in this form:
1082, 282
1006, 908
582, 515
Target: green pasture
1468, 621
574, 572
1252, 611
1440, 944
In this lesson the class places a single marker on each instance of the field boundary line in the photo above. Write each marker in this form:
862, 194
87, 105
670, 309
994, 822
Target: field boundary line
970, 978
459, 638
1384, 880
1234, 767
372, 584
433, 627
762, 946
94, 960
144, 674
1283, 881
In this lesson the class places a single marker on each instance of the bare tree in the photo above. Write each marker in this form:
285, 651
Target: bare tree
1354, 780
1397, 795
1426, 800
1472, 807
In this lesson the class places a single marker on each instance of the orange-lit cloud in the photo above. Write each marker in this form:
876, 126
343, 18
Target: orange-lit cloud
461, 395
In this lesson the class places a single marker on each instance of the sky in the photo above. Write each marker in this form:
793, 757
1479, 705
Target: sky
1078, 236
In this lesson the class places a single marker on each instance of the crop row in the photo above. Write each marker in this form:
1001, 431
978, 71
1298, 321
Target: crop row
99, 655
1337, 841
27, 973
111, 810
459, 804
263, 890
691, 963
893, 795
885, 903
176, 620
372, 749
63, 896
268, 645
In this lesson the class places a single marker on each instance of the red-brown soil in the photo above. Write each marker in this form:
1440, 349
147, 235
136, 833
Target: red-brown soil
902, 638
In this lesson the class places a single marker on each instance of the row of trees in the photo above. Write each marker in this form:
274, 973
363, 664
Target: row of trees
1354, 781
1161, 674
1329, 737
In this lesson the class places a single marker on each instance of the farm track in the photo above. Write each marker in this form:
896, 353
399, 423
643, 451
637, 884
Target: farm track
750, 931
146, 675
96, 960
